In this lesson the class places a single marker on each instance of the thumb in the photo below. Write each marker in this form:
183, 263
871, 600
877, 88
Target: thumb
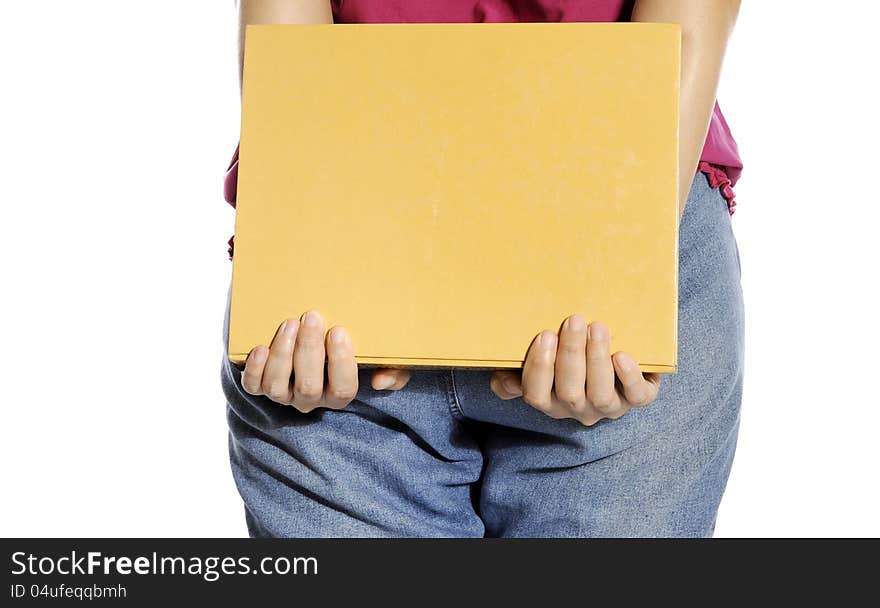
390, 379
506, 384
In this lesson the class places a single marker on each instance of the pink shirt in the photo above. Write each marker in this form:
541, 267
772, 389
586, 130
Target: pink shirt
719, 160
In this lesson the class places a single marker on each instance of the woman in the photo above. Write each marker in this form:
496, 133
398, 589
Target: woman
580, 443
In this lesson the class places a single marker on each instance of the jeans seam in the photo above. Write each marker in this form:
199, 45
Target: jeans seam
455, 405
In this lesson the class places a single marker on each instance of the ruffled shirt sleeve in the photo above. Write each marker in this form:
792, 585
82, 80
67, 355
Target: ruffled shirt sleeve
230, 188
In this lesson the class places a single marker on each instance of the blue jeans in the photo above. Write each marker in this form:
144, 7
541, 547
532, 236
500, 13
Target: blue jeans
446, 457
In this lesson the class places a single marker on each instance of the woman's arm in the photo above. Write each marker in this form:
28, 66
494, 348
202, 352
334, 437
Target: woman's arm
278, 11
705, 29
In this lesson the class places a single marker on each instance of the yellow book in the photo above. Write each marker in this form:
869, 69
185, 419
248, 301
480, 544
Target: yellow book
446, 191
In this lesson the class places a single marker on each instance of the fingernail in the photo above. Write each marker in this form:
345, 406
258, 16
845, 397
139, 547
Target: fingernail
311, 319
598, 331
259, 356
288, 330
337, 335
576, 322
624, 362
548, 339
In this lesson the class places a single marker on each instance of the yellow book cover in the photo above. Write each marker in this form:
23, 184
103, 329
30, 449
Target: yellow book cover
448, 190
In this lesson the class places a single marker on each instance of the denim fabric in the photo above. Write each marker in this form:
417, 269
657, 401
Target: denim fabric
446, 457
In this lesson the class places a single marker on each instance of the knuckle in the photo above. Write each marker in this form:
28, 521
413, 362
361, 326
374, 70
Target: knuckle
607, 410
275, 389
308, 387
602, 401
571, 399
340, 393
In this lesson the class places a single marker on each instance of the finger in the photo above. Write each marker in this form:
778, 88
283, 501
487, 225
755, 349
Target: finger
537, 376
571, 366
390, 379
279, 364
601, 393
308, 362
342, 369
506, 384
638, 389
252, 377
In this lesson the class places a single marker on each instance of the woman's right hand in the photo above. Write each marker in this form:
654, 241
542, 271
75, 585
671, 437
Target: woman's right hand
298, 353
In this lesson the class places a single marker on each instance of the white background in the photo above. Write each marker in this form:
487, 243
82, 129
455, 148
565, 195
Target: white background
118, 120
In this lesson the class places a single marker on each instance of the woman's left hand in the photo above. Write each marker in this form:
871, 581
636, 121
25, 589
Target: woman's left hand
573, 376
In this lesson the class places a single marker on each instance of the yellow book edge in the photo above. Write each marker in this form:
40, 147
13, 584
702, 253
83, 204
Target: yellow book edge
422, 363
